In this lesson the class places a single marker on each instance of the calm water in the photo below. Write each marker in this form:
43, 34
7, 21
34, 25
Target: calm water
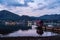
30, 32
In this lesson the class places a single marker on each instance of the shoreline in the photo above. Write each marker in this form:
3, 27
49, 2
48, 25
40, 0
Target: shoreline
31, 38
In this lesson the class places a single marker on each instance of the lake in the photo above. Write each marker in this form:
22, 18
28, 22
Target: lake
31, 32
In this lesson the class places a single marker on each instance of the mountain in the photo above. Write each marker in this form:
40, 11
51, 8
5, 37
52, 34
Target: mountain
25, 17
6, 15
50, 17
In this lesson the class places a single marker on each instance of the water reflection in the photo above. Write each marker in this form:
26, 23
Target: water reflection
9, 29
40, 32
30, 32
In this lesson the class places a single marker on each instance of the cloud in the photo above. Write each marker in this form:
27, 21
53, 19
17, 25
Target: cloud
53, 4
31, 7
48, 4
15, 2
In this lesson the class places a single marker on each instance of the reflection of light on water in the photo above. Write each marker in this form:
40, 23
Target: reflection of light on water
34, 26
49, 34
24, 33
31, 32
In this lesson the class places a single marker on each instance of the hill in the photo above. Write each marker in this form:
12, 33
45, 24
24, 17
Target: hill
6, 15
50, 17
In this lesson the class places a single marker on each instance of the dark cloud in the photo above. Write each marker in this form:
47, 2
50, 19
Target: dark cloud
29, 0
54, 5
51, 5
14, 2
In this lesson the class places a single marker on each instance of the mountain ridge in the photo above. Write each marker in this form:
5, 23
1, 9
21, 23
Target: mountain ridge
7, 15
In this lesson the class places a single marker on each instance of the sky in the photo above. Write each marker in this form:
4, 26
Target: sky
31, 7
